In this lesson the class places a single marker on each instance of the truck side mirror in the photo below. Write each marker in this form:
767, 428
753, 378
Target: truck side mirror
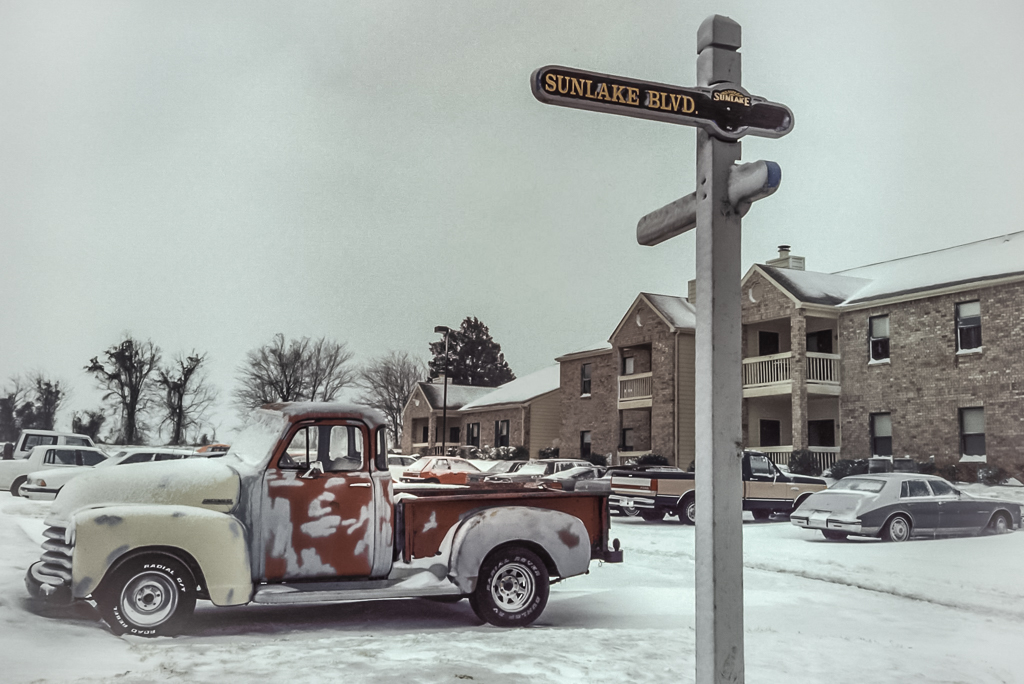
316, 468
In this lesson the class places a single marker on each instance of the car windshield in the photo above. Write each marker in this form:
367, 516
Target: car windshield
418, 465
860, 485
533, 469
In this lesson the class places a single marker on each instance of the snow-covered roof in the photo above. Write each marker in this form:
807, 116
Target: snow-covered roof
676, 310
987, 259
589, 350
982, 260
816, 288
521, 390
458, 395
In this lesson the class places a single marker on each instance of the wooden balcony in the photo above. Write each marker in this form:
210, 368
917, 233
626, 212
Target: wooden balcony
773, 374
635, 391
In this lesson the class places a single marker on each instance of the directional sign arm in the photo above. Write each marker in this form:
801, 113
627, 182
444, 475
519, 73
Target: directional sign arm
747, 184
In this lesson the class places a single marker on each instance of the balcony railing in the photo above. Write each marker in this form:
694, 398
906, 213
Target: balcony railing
636, 386
827, 456
761, 371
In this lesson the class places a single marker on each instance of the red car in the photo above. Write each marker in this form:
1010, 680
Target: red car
442, 470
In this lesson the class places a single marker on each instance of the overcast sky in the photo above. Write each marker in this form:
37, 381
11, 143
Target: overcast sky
208, 174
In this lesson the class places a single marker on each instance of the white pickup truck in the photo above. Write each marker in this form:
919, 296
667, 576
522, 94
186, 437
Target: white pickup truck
302, 510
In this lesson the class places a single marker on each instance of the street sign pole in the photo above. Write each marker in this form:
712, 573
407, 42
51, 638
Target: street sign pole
723, 113
718, 385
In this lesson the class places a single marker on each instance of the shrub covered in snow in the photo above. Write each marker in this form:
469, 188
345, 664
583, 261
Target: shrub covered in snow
651, 459
598, 459
845, 467
993, 476
804, 462
549, 452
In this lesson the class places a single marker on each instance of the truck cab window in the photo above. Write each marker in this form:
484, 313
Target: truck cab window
345, 450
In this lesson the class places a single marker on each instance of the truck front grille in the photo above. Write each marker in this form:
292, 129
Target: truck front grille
56, 567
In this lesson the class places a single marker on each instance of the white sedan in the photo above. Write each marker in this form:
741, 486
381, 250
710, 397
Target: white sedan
48, 457
44, 485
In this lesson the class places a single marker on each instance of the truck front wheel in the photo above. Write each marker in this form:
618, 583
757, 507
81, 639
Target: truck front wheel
512, 588
149, 596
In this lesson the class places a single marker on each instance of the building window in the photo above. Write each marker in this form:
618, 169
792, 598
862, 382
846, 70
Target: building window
968, 326
501, 433
627, 439
453, 435
473, 434
585, 444
628, 365
585, 380
972, 431
426, 434
767, 343
881, 434
771, 433
879, 337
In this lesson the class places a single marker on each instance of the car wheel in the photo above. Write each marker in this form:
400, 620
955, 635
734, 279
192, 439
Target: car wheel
1000, 524
149, 596
512, 588
688, 513
833, 535
652, 516
897, 529
16, 485
761, 514
631, 511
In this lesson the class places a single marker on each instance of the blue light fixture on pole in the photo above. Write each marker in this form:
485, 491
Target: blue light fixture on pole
446, 331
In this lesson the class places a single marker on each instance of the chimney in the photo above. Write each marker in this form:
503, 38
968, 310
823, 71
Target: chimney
691, 292
785, 260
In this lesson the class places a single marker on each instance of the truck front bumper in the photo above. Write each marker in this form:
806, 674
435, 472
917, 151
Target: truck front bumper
41, 585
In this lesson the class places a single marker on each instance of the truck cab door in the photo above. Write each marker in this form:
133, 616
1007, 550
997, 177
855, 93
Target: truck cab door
319, 509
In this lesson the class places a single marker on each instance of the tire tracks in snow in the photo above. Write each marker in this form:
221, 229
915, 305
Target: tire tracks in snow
978, 609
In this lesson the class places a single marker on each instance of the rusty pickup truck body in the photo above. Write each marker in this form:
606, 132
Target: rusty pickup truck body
766, 490
302, 509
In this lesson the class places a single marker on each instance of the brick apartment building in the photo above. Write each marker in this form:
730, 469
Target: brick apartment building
634, 394
524, 412
920, 356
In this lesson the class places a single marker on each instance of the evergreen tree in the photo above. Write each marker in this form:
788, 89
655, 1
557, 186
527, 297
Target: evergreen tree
474, 358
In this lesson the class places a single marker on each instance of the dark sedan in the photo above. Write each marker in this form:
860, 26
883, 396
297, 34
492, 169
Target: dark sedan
898, 506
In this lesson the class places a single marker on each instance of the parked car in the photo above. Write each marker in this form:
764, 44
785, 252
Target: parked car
898, 506
500, 467
213, 450
397, 464
568, 479
442, 470
30, 439
46, 484
534, 470
13, 474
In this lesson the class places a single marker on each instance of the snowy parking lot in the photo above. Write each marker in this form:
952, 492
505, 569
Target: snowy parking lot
947, 610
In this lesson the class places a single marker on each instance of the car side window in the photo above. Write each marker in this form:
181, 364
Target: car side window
760, 465
60, 457
345, 449
37, 440
942, 488
914, 488
169, 457
76, 441
441, 464
90, 458
137, 458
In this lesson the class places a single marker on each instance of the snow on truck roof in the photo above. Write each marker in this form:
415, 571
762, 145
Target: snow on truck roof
300, 409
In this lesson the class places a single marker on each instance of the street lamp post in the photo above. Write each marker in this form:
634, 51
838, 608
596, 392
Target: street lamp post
444, 402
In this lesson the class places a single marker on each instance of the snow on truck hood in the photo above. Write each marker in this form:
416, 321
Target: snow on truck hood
202, 483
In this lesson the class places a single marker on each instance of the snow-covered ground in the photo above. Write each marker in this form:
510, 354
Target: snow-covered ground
925, 611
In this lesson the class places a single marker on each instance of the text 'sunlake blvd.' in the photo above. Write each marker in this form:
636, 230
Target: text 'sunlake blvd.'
727, 111
947, 610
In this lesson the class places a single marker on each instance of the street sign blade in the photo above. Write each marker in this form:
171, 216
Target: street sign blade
665, 223
725, 111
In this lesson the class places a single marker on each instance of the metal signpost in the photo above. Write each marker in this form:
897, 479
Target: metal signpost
723, 112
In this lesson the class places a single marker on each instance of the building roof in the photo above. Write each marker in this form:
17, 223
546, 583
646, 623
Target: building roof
590, 350
521, 390
458, 395
988, 259
676, 311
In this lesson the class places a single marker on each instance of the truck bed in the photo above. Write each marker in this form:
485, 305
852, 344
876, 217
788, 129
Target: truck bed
425, 515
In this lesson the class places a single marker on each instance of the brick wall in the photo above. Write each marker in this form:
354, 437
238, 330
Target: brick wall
596, 412
926, 381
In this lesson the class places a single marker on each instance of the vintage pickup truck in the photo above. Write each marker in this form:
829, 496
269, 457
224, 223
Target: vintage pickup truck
766, 490
300, 510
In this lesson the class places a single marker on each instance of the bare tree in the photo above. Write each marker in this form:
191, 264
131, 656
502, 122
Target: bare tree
48, 395
186, 396
387, 382
88, 423
124, 375
294, 370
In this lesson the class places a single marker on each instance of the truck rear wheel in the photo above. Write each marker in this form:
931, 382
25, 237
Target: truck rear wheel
512, 588
149, 596
688, 511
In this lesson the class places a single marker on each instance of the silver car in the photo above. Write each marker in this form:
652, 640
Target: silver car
898, 506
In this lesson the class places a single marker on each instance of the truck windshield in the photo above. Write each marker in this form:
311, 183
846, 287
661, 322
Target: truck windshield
260, 434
